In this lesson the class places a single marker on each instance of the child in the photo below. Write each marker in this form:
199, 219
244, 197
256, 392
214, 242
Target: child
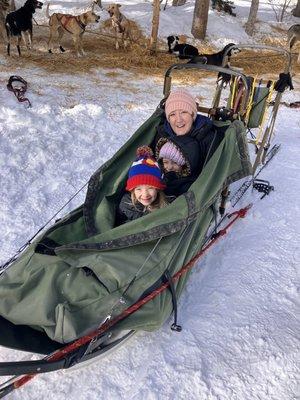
180, 169
172, 159
145, 187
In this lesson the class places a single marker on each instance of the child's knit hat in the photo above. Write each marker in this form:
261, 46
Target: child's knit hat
171, 152
181, 99
144, 171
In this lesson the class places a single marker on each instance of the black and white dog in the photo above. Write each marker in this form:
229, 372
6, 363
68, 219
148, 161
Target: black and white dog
216, 58
182, 50
19, 23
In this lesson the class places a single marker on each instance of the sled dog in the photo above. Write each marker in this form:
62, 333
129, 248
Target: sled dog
19, 24
74, 25
216, 58
120, 24
183, 50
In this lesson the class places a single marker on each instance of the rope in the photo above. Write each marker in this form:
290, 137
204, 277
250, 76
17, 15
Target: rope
121, 301
257, 57
25, 245
19, 90
239, 96
135, 41
233, 92
101, 34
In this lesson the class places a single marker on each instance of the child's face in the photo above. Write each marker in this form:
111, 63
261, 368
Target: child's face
145, 194
181, 122
170, 165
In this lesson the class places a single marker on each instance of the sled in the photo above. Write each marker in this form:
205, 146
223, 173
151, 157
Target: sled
252, 106
83, 271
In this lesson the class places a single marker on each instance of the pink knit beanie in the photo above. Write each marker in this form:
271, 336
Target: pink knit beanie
181, 99
171, 152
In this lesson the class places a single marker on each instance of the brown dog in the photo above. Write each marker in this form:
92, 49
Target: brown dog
120, 25
75, 25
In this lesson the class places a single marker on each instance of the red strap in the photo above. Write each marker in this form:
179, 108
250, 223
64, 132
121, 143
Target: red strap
65, 19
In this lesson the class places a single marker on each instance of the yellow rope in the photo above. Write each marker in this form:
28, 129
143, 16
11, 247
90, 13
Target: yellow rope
233, 92
250, 102
265, 112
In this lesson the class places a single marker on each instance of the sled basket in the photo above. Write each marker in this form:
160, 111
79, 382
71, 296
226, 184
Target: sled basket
73, 276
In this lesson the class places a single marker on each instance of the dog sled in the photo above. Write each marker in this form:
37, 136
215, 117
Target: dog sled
83, 273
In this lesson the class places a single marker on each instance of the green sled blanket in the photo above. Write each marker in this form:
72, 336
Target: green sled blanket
80, 280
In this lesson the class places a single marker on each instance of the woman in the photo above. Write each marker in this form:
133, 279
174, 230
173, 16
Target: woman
190, 129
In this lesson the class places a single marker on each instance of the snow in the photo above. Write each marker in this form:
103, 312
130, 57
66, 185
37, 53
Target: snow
240, 310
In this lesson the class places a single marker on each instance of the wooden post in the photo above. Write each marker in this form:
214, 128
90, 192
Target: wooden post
155, 23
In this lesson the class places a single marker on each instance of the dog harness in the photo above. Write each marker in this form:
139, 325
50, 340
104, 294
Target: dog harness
116, 23
65, 19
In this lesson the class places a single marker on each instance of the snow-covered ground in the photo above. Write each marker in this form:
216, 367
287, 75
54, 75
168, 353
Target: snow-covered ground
240, 310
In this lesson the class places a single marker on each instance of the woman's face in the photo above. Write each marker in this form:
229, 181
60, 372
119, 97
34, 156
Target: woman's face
181, 122
145, 194
171, 166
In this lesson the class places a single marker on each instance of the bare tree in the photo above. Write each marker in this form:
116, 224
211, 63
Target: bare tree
200, 19
155, 24
281, 9
296, 11
249, 27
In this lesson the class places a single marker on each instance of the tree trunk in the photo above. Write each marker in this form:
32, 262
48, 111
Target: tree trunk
178, 2
200, 19
249, 27
155, 23
296, 11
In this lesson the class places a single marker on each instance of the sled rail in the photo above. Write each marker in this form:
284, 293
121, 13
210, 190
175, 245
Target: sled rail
205, 67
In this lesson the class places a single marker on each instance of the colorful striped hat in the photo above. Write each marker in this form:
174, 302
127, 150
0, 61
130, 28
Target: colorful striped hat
144, 171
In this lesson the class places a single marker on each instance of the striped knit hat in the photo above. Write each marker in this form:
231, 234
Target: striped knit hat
144, 171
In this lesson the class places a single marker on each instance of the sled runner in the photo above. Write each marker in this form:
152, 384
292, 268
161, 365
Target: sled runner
84, 272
